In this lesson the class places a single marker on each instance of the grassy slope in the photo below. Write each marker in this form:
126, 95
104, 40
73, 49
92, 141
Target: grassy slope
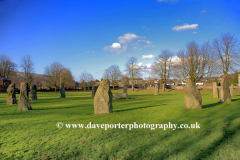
34, 135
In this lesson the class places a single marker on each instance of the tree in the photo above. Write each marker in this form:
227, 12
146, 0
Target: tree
132, 69
163, 66
226, 48
67, 78
113, 73
53, 74
86, 77
28, 68
7, 67
194, 64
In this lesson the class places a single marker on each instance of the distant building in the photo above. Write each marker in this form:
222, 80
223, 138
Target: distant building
4, 83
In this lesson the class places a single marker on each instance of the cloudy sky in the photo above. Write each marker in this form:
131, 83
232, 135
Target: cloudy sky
95, 34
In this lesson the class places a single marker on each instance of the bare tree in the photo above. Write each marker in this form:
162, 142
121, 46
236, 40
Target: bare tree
28, 68
226, 48
86, 77
113, 73
53, 74
195, 63
133, 69
7, 67
57, 75
67, 79
163, 66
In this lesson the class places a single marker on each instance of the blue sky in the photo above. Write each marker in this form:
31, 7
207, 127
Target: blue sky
93, 35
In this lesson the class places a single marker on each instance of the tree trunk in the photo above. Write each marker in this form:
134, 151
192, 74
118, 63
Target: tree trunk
55, 88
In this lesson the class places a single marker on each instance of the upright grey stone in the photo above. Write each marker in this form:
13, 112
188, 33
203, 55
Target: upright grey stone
193, 97
238, 79
11, 99
156, 88
225, 92
93, 91
121, 95
34, 92
103, 98
23, 103
232, 90
62, 91
125, 87
215, 90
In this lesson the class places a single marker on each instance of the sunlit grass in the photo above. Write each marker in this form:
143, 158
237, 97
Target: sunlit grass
33, 134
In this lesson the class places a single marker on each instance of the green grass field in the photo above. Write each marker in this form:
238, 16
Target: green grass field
33, 134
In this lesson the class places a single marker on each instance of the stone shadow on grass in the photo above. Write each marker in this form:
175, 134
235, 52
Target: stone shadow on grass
211, 105
129, 109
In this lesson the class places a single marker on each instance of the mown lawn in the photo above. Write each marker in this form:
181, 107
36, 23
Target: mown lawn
33, 134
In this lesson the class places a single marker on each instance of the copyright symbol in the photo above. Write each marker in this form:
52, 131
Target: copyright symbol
59, 125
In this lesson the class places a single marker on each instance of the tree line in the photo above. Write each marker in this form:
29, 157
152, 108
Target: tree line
195, 61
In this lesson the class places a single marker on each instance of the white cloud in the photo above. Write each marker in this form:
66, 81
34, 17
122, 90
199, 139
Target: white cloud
194, 32
203, 11
140, 42
185, 27
117, 48
145, 69
128, 38
147, 56
116, 45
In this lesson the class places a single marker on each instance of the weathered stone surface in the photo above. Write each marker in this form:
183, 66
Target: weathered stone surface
11, 99
125, 87
34, 92
225, 92
62, 92
103, 98
238, 79
156, 89
121, 95
23, 103
215, 90
94, 90
232, 90
193, 97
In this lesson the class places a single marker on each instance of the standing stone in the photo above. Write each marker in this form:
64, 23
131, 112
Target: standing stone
93, 91
125, 87
215, 90
238, 79
225, 92
156, 89
11, 99
121, 95
103, 98
34, 92
193, 97
23, 103
62, 91
232, 90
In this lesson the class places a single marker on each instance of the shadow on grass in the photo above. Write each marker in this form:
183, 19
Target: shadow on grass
129, 109
235, 100
227, 135
77, 106
211, 105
